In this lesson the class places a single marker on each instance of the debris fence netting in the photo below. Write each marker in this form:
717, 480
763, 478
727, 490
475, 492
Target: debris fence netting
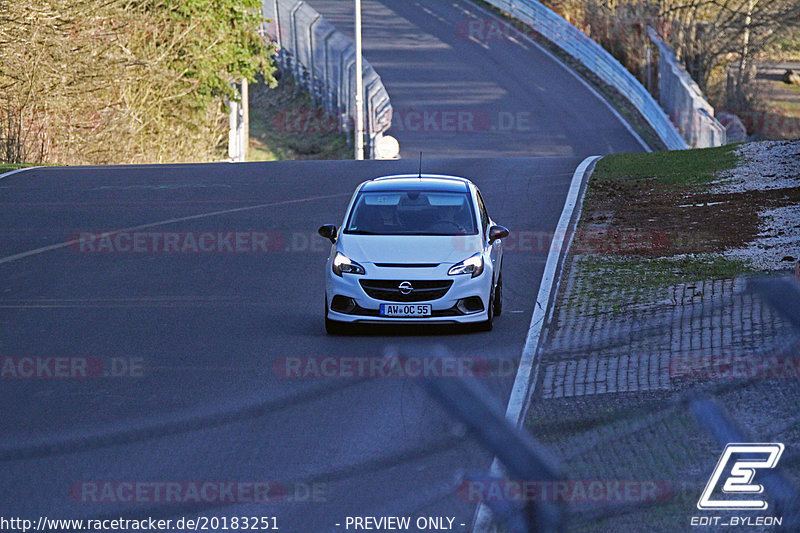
652, 390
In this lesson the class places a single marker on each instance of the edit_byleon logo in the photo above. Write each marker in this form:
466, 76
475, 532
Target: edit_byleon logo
738, 490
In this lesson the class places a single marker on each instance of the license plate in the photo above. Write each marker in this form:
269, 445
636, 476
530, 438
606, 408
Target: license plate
405, 310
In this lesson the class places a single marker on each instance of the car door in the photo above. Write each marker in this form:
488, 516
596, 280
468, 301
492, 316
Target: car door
496, 251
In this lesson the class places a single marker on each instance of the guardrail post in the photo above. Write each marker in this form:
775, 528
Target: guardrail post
337, 93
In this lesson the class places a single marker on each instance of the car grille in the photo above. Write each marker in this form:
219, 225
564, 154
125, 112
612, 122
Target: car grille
407, 265
389, 290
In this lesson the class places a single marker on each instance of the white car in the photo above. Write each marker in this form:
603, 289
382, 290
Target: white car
414, 249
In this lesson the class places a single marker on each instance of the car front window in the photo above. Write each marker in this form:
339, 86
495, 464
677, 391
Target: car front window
412, 212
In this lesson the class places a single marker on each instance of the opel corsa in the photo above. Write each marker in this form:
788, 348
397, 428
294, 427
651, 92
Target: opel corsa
414, 249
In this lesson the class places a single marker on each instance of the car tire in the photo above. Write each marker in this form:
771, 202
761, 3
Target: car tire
498, 297
488, 324
333, 327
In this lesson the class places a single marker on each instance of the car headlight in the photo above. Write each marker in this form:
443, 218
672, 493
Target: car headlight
472, 265
344, 265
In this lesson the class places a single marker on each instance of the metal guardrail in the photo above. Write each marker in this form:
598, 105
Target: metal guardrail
682, 98
323, 61
570, 39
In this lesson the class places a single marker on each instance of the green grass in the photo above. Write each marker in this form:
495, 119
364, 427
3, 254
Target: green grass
668, 167
790, 106
266, 144
8, 167
637, 279
270, 140
788, 50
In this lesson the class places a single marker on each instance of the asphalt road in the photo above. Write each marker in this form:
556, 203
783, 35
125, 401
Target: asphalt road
464, 84
203, 331
193, 341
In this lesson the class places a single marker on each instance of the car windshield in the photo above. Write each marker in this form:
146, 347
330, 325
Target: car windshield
412, 212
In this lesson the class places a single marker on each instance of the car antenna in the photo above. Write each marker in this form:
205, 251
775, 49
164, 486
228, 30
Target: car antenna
420, 166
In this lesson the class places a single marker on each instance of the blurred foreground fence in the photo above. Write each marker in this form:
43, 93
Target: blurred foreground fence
653, 392
593, 459
323, 61
682, 98
598, 460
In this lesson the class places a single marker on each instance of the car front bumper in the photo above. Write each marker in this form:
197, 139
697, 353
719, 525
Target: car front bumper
444, 309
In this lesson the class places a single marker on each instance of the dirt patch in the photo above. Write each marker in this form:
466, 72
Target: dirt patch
682, 219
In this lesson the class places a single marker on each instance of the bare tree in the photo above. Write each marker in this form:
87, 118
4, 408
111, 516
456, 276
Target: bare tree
102, 81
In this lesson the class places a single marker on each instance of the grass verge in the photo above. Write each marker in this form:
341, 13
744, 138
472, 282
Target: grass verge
286, 125
666, 205
673, 167
607, 281
653, 223
8, 167
608, 383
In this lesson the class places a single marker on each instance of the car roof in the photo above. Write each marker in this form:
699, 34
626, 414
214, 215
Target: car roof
427, 182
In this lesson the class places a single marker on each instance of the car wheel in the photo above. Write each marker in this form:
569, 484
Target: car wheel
488, 324
498, 297
333, 327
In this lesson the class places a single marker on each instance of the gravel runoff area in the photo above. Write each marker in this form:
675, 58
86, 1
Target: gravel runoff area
768, 166
620, 365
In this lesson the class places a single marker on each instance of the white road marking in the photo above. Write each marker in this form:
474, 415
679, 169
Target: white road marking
60, 245
575, 75
17, 171
527, 373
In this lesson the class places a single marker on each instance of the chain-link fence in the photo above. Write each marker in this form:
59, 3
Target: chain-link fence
323, 61
638, 402
682, 98
632, 410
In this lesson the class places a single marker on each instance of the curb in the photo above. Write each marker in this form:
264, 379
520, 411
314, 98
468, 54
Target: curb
17, 171
527, 373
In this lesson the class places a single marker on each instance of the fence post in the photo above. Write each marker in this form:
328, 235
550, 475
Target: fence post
312, 76
359, 115
293, 19
336, 92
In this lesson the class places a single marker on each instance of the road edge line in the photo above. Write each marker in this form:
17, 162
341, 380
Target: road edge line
528, 370
17, 170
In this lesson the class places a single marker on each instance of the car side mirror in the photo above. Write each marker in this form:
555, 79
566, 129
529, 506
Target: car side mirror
497, 232
328, 231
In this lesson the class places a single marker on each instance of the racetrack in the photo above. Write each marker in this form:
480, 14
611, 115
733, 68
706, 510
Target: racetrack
208, 328
465, 84
200, 332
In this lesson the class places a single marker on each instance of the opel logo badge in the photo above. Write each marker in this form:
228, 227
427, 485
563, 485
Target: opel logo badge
406, 288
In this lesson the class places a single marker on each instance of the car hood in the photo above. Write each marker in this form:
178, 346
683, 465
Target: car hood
409, 248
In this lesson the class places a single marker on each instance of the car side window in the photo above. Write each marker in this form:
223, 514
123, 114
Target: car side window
484, 214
